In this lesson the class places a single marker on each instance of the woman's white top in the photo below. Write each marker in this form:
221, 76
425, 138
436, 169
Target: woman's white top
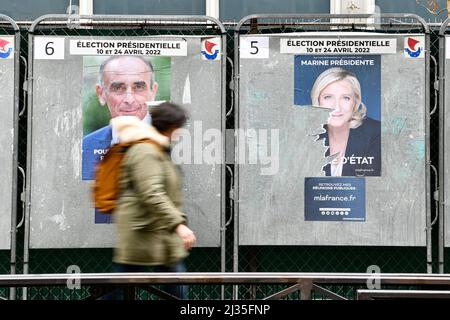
336, 166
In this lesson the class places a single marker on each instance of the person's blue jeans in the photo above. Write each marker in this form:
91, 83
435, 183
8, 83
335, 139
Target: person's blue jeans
180, 291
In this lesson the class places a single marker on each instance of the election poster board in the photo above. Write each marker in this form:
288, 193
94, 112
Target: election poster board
73, 121
7, 147
331, 139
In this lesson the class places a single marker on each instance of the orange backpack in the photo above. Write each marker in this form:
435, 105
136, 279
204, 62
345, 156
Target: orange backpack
105, 190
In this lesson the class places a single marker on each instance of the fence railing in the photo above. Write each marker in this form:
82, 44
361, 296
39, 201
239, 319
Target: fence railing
305, 283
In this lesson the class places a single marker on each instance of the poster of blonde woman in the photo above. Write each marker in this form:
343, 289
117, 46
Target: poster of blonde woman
350, 88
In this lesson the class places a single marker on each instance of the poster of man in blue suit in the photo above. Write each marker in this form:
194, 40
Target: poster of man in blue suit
117, 86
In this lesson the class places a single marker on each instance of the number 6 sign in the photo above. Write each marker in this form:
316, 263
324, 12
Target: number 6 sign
49, 48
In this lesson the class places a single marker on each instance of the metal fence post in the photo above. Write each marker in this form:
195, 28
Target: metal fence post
9, 26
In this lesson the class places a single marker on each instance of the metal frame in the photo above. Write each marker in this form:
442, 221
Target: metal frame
56, 21
303, 21
176, 22
402, 294
306, 283
442, 91
13, 230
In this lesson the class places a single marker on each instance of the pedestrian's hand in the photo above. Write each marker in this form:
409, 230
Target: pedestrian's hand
187, 235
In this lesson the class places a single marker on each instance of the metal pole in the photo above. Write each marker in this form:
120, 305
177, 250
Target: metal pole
442, 167
13, 230
15, 158
236, 162
122, 19
26, 252
223, 166
427, 154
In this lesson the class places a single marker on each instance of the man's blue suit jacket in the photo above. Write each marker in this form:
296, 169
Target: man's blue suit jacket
95, 145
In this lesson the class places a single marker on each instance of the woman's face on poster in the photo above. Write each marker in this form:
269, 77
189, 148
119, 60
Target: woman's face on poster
340, 97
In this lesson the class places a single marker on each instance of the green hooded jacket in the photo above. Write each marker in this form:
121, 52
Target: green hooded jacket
149, 201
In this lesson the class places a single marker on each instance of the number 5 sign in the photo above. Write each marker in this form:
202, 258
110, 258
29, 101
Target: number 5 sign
254, 47
48, 48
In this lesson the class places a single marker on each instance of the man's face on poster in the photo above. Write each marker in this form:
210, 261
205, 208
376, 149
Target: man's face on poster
127, 87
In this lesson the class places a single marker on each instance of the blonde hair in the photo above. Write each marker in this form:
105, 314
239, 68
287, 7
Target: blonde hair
336, 74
